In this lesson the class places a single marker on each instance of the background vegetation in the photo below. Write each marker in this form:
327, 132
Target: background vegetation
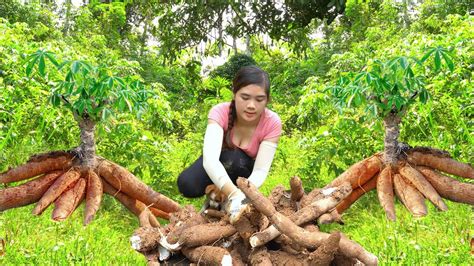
303, 58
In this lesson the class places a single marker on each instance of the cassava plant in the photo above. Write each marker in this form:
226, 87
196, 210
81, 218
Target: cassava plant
92, 94
387, 90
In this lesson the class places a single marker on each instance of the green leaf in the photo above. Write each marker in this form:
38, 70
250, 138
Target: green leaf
89, 108
448, 60
390, 103
350, 100
106, 113
409, 72
398, 103
381, 105
69, 76
403, 62
409, 85
100, 92
55, 99
75, 66
416, 60
368, 78
424, 96
60, 66
359, 77
392, 64
80, 107
342, 81
386, 85
51, 58
93, 90
110, 82
121, 104
396, 88
120, 81
42, 66
375, 110
128, 104
31, 64
425, 57
86, 67
83, 92
437, 61
358, 99
70, 87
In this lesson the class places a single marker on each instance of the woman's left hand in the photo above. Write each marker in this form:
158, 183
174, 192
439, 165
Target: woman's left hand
236, 205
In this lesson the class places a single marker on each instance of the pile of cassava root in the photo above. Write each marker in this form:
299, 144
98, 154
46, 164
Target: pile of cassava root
419, 173
278, 230
60, 177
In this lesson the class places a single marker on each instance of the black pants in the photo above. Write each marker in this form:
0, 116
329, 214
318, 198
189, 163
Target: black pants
193, 181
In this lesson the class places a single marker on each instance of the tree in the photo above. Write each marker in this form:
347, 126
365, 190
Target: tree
386, 90
187, 24
13, 11
230, 68
92, 94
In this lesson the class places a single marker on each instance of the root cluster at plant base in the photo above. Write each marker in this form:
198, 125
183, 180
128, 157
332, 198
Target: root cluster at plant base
421, 173
58, 178
278, 230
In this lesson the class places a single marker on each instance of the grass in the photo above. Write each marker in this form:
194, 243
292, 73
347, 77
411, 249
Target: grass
440, 238
39, 241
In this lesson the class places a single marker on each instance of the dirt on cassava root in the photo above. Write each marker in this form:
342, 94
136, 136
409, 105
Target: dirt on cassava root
211, 239
416, 176
62, 178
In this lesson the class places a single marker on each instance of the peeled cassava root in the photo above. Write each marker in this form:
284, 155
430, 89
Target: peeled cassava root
58, 177
278, 230
419, 175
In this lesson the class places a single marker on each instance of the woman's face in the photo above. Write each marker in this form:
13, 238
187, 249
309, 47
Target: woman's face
250, 102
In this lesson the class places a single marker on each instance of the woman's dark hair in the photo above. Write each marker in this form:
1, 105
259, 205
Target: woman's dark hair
247, 75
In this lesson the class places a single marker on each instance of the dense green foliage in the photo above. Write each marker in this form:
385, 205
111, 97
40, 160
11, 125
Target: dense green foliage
385, 87
319, 142
230, 68
89, 91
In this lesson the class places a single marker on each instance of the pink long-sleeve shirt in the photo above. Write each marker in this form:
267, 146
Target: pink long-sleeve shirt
269, 126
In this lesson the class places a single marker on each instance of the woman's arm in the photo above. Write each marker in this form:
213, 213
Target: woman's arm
263, 162
211, 153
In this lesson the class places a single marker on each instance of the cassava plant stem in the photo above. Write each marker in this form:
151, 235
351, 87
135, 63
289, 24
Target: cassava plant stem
87, 147
392, 131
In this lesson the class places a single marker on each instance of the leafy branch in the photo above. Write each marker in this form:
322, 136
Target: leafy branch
390, 86
89, 91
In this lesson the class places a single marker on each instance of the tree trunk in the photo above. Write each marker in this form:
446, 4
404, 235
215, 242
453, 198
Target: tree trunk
128, 21
221, 32
144, 38
405, 16
327, 33
234, 44
392, 131
68, 17
87, 147
248, 50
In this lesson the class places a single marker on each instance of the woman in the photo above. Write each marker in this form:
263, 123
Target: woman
241, 140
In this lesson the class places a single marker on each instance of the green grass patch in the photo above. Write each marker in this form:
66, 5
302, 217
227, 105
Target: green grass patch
440, 238
40, 241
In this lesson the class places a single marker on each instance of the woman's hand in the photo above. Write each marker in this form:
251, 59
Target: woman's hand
236, 205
